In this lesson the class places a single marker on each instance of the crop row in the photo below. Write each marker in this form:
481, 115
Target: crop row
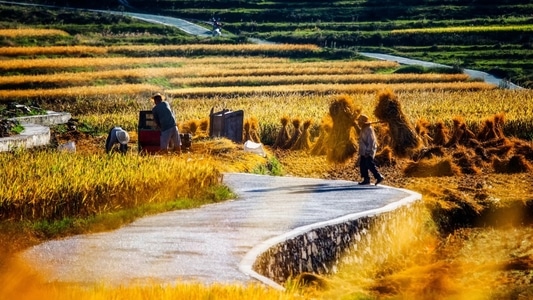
29, 32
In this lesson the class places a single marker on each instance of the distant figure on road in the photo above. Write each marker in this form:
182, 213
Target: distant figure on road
117, 135
166, 122
367, 151
217, 27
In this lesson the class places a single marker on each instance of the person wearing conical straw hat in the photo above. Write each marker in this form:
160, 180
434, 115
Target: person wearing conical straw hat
367, 151
117, 135
166, 122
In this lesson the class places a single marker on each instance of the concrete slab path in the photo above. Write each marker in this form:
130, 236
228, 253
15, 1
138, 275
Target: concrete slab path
216, 243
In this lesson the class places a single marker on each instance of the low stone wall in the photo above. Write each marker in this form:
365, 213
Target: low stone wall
320, 250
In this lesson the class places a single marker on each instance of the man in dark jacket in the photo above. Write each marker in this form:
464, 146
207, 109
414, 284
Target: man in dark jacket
165, 120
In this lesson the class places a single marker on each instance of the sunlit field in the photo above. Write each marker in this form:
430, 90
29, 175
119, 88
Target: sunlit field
109, 89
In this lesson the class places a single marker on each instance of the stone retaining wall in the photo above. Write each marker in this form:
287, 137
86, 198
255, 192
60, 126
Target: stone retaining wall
320, 250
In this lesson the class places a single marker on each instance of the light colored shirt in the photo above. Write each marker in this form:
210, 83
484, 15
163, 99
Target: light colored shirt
367, 141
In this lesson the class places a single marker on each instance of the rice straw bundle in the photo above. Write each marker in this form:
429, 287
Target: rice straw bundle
492, 128
466, 160
246, 133
441, 135
304, 141
254, 130
422, 129
385, 157
203, 128
436, 167
320, 146
515, 164
389, 110
341, 141
295, 134
283, 135
461, 134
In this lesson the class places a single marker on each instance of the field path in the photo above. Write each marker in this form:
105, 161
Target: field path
216, 243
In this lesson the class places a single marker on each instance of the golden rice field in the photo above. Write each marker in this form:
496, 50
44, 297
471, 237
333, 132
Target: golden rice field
110, 89
24, 32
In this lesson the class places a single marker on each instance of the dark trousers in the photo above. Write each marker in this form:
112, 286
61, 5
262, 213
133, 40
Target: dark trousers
367, 164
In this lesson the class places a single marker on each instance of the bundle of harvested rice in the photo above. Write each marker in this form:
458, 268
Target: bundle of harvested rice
422, 129
492, 128
461, 135
304, 141
404, 138
283, 135
467, 160
192, 127
515, 164
385, 157
295, 134
523, 148
440, 137
246, 129
254, 130
436, 167
430, 152
382, 135
341, 141
501, 149
320, 146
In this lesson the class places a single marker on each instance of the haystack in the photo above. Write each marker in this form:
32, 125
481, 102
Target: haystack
440, 137
389, 110
320, 147
429, 152
422, 129
283, 135
341, 141
246, 130
297, 132
467, 160
385, 157
523, 148
304, 141
251, 130
515, 164
461, 135
437, 167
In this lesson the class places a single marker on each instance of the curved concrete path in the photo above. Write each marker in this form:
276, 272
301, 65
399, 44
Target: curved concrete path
216, 243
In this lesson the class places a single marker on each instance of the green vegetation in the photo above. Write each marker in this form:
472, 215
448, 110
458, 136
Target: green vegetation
492, 36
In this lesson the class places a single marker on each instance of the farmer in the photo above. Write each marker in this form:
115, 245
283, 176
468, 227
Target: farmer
367, 151
166, 122
117, 135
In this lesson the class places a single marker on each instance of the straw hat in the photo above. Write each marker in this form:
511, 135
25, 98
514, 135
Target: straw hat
363, 119
158, 95
122, 136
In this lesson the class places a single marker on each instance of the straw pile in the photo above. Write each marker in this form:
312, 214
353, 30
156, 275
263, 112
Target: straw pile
320, 145
297, 132
492, 128
422, 129
251, 127
440, 137
435, 167
283, 135
385, 157
514, 164
461, 135
341, 141
304, 141
403, 136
